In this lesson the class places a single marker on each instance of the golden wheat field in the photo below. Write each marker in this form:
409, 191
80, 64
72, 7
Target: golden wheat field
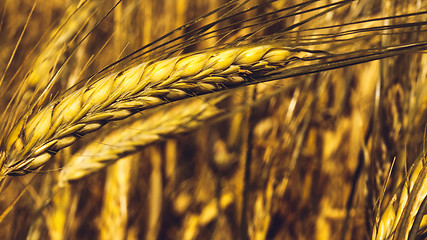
207, 119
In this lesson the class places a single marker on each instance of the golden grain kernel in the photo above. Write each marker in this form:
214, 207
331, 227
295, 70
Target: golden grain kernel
192, 64
159, 71
18, 145
69, 106
83, 111
70, 130
232, 69
44, 148
88, 128
403, 199
40, 124
191, 229
222, 60
276, 55
122, 114
96, 117
384, 227
206, 87
130, 78
64, 142
38, 161
251, 55
171, 79
176, 94
414, 176
237, 79
159, 92
128, 105
14, 135
150, 101
99, 92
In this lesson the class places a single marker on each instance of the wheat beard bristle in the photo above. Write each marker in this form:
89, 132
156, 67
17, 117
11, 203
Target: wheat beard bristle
33, 141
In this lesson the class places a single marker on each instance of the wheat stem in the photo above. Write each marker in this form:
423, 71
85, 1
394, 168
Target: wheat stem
114, 214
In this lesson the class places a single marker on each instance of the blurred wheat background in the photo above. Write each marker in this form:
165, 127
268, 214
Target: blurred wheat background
317, 156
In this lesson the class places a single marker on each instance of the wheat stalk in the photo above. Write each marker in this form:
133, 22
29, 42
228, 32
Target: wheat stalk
113, 219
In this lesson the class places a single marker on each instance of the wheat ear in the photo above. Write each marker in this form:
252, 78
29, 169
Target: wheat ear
116, 144
399, 215
33, 140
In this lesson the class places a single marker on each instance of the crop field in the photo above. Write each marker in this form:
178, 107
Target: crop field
207, 119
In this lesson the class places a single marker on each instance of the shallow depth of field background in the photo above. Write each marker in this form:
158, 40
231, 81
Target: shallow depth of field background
283, 169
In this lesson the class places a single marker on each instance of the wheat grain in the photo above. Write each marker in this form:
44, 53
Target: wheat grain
398, 217
33, 141
128, 139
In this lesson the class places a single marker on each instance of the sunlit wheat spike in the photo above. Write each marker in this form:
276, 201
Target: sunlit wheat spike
106, 149
34, 140
399, 215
